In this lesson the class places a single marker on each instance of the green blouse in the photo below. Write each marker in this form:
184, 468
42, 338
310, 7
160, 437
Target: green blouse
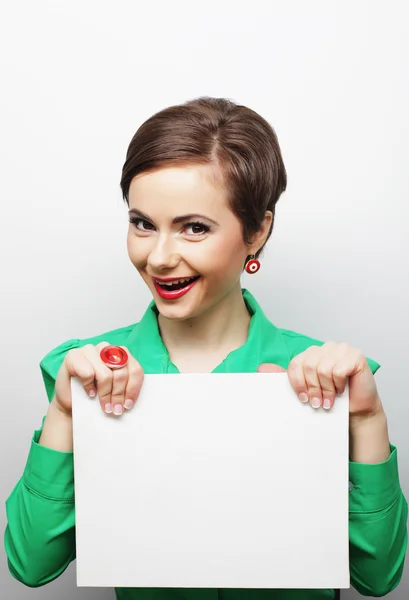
40, 533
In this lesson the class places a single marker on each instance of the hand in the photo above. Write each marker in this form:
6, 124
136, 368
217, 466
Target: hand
116, 389
320, 373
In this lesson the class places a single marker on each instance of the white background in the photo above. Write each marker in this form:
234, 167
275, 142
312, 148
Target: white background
77, 80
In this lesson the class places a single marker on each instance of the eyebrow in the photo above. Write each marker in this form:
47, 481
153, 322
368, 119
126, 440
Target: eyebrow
176, 220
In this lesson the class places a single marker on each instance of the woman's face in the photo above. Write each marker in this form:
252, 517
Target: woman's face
183, 228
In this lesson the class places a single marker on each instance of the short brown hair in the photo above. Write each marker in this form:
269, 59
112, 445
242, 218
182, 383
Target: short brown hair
235, 140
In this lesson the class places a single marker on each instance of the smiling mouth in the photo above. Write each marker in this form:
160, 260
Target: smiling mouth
173, 289
176, 284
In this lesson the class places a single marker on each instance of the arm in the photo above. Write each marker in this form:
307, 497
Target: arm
378, 510
40, 535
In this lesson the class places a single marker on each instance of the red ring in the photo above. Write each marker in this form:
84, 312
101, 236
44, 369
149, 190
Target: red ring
114, 357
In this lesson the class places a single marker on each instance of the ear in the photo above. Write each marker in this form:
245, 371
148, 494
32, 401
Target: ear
258, 239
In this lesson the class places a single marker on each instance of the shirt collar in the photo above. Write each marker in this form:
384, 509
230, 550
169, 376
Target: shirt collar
264, 343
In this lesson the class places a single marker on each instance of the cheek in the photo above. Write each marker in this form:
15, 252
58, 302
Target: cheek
131, 248
226, 255
136, 251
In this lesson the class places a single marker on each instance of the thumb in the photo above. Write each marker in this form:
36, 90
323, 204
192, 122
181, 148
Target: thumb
270, 368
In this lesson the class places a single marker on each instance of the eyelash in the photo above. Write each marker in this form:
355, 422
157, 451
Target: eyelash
206, 228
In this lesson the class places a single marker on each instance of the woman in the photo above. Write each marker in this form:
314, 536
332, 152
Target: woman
201, 181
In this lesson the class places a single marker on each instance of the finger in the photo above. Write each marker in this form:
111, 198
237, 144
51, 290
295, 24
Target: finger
115, 404
348, 364
104, 376
339, 379
270, 368
297, 379
119, 383
309, 365
332, 383
75, 365
325, 377
135, 380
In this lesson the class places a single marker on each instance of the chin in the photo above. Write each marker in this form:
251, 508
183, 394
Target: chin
174, 312
186, 307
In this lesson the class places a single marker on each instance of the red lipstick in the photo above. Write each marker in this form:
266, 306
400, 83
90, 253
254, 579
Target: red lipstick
169, 294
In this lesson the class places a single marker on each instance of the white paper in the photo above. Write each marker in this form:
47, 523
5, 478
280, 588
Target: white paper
214, 481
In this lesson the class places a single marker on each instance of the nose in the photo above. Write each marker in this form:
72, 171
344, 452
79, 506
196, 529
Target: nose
163, 255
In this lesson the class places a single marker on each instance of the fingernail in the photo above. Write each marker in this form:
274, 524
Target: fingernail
327, 403
108, 408
91, 393
128, 403
315, 402
303, 397
118, 410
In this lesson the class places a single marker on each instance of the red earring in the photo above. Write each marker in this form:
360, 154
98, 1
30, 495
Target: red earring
252, 265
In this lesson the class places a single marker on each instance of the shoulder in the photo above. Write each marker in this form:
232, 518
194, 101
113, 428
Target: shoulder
298, 342
50, 364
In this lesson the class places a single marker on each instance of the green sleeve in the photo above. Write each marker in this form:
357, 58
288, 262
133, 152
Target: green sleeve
378, 514
51, 363
40, 534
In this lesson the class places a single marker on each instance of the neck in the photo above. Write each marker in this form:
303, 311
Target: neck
221, 329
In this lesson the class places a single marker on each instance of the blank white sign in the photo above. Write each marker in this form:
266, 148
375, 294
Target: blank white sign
213, 481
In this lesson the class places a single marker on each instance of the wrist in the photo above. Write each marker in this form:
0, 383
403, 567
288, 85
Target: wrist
58, 410
377, 413
368, 438
57, 432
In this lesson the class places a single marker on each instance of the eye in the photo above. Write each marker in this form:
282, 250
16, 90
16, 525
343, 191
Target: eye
141, 224
196, 228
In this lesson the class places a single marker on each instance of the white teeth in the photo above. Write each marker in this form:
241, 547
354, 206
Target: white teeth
175, 281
